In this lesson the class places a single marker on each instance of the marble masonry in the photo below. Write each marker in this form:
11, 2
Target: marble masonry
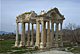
51, 29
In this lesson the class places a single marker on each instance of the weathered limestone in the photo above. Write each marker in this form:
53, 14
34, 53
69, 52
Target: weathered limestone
56, 37
17, 32
24, 34
32, 41
48, 36
22, 42
52, 29
42, 35
53, 42
28, 41
44, 38
37, 34
61, 42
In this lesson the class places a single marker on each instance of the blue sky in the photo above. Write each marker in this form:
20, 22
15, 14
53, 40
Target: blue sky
11, 8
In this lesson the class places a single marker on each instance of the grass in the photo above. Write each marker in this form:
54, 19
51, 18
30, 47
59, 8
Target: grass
76, 50
7, 45
20, 52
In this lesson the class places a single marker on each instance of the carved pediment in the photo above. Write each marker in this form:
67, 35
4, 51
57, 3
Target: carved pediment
27, 15
32, 15
54, 13
51, 14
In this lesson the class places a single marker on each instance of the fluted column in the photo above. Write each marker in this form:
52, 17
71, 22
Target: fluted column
32, 36
17, 32
28, 37
42, 35
22, 35
61, 42
56, 37
48, 35
37, 34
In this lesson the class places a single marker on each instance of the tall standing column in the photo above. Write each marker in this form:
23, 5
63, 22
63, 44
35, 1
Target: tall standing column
48, 35
45, 36
37, 33
56, 37
61, 42
28, 37
52, 33
17, 32
22, 35
32, 36
42, 35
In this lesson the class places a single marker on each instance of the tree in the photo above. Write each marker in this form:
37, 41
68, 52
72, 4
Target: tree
77, 36
69, 26
75, 32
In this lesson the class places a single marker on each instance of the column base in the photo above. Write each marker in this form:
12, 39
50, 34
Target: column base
51, 44
28, 43
16, 44
36, 46
48, 45
44, 44
41, 45
31, 43
56, 45
61, 44
22, 44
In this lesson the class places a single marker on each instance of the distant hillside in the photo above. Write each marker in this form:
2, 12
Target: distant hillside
3, 32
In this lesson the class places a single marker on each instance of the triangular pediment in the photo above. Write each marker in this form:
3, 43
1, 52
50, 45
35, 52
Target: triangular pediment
27, 15
54, 13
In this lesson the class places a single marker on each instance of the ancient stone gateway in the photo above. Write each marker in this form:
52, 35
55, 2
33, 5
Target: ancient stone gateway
49, 37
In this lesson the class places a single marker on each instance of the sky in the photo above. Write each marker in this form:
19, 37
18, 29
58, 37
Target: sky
9, 9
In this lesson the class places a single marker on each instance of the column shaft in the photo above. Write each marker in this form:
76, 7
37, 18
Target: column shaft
17, 32
28, 41
48, 35
24, 34
52, 33
32, 36
56, 37
37, 34
61, 44
22, 26
22, 42
53, 36
42, 35
45, 36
